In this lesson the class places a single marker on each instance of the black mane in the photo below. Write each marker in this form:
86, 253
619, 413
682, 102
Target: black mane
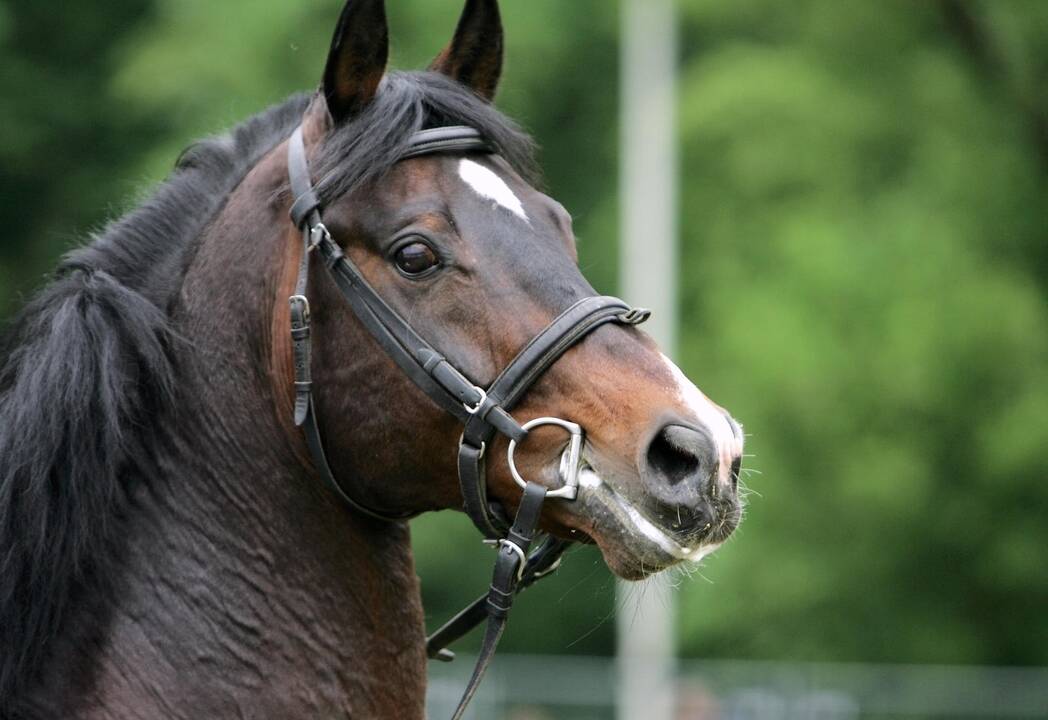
84, 372
89, 364
364, 149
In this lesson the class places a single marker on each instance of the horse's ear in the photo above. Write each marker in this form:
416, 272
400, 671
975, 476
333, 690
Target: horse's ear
357, 60
474, 56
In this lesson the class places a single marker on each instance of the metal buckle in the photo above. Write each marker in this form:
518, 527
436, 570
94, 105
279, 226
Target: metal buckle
317, 234
569, 469
480, 402
305, 305
483, 446
504, 543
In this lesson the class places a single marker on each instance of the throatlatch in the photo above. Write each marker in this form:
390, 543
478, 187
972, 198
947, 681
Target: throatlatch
483, 412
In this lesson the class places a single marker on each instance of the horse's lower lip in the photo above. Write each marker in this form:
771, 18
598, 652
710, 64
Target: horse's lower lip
590, 482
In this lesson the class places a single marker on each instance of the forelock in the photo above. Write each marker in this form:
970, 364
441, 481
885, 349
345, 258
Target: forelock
363, 150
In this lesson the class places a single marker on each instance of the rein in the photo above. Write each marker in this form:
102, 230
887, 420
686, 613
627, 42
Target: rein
484, 412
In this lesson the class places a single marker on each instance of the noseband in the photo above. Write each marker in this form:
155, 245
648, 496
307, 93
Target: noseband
484, 412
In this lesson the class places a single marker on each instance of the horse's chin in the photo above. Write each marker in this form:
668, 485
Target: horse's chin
635, 547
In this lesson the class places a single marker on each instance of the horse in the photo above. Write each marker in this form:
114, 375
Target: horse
206, 487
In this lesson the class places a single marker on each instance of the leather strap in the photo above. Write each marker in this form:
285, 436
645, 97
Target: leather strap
505, 579
534, 359
454, 138
541, 563
305, 411
441, 381
426, 367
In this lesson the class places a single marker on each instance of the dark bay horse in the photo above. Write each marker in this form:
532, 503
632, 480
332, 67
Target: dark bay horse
167, 546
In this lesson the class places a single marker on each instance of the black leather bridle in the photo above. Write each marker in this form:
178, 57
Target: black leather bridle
483, 412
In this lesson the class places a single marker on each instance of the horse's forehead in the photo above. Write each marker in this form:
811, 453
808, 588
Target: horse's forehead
481, 196
411, 178
455, 177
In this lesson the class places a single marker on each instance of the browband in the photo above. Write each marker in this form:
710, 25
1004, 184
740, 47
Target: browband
434, 141
455, 138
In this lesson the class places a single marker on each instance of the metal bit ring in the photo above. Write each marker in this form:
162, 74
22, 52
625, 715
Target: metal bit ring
570, 471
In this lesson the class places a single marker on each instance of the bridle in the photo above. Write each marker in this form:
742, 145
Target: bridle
484, 412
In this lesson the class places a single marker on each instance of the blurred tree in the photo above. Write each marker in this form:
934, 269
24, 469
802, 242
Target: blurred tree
63, 136
865, 215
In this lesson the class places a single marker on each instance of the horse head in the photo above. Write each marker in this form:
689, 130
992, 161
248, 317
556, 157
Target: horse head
466, 249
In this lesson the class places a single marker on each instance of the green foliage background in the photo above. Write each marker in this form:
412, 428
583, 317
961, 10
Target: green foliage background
864, 277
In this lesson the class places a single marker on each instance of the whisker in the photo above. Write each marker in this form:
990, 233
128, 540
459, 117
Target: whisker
599, 624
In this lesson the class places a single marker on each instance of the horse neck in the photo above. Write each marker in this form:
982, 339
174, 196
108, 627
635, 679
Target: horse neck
250, 590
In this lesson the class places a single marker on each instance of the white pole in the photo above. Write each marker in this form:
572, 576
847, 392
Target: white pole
648, 278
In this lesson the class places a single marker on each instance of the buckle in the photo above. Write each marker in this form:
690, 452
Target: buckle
569, 467
518, 550
317, 234
497, 544
304, 302
480, 401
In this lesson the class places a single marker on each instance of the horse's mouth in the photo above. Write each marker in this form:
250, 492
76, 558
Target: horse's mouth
635, 546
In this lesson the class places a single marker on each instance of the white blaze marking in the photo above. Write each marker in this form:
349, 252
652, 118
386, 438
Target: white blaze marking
729, 447
489, 185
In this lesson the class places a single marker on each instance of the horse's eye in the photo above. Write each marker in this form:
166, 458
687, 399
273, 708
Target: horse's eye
415, 259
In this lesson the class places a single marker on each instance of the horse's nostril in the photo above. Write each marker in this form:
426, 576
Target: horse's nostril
736, 468
679, 453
